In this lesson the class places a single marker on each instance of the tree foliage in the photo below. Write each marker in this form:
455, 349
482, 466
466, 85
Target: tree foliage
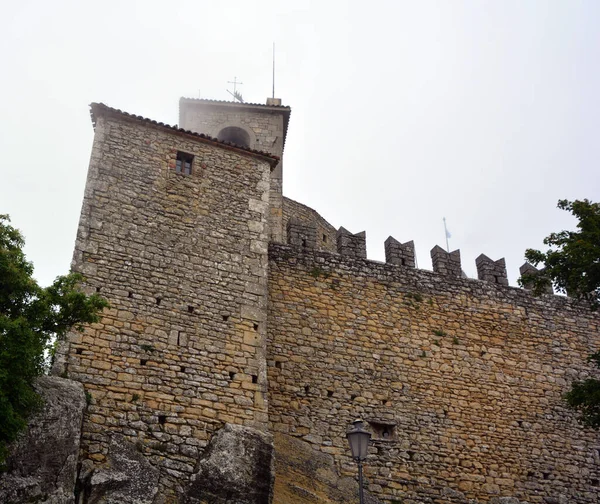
584, 397
572, 264
31, 317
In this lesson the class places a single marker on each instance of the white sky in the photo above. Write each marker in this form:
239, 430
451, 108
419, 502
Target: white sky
403, 112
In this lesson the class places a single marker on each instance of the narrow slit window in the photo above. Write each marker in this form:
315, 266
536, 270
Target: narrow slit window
184, 163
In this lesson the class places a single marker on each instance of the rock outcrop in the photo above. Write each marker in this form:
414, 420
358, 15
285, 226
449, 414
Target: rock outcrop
237, 466
129, 477
42, 466
305, 475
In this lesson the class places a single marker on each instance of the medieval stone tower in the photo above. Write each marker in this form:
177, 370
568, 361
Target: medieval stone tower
260, 127
231, 305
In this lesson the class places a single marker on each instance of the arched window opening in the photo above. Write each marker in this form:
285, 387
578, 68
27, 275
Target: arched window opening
234, 135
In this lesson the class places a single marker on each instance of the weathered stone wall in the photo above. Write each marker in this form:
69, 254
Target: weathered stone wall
183, 262
266, 127
460, 380
325, 232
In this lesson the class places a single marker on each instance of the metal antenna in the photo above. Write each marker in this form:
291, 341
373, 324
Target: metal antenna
273, 69
236, 94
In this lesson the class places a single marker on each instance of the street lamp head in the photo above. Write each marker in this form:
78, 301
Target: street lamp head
358, 438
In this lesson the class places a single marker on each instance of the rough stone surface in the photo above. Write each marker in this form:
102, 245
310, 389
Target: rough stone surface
353, 245
42, 466
182, 260
237, 467
129, 477
326, 234
301, 235
446, 263
305, 475
266, 128
490, 270
460, 381
402, 254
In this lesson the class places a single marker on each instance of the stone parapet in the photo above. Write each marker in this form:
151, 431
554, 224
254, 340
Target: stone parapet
446, 263
300, 234
490, 270
353, 245
528, 270
402, 254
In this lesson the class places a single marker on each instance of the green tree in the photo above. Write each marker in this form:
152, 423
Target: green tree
572, 265
31, 317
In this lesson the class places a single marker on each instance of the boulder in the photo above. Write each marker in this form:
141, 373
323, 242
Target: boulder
305, 475
129, 477
42, 465
237, 467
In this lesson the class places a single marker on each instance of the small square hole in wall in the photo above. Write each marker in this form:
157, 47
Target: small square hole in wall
78, 351
330, 393
190, 309
546, 475
182, 369
254, 379
158, 300
98, 289
143, 362
225, 318
594, 482
231, 375
324, 238
162, 419
383, 431
306, 389
304, 242
256, 327
279, 364
184, 163
130, 294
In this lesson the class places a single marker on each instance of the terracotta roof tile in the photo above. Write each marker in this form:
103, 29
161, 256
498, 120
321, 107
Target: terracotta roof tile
97, 109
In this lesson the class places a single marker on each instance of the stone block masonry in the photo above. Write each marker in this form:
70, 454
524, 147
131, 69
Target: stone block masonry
460, 380
183, 262
266, 130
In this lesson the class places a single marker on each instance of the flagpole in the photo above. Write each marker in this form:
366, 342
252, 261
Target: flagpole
446, 234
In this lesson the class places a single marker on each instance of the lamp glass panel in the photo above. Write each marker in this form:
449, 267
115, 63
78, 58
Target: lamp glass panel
359, 444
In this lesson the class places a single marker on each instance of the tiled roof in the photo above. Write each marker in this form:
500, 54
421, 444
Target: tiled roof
98, 109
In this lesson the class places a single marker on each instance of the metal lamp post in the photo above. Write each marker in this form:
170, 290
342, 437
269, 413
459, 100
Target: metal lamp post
359, 445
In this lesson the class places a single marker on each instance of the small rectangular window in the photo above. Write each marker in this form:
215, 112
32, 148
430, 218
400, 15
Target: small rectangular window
184, 163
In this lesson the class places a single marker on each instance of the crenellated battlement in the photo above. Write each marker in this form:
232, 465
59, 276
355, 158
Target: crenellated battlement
303, 235
490, 270
349, 244
402, 254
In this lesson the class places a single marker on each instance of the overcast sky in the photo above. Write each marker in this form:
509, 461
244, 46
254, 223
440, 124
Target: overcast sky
403, 112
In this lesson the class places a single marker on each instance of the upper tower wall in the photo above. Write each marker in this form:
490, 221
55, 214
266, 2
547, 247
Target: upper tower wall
261, 127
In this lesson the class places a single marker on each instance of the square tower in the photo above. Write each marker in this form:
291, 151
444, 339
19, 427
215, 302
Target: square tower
257, 126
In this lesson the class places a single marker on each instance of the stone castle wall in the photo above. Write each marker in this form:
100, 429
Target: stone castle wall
325, 236
183, 262
460, 380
